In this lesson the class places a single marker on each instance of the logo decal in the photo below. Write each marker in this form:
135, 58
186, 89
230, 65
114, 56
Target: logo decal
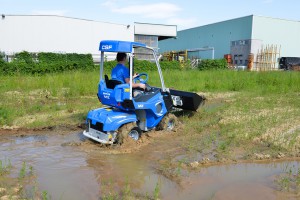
106, 95
106, 47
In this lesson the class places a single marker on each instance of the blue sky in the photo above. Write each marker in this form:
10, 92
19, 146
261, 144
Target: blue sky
185, 14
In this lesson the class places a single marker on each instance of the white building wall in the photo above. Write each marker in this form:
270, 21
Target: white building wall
281, 32
57, 34
155, 29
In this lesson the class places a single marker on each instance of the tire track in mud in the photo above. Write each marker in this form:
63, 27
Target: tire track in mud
128, 145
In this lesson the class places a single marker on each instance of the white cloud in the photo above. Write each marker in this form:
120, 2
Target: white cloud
153, 11
164, 12
50, 12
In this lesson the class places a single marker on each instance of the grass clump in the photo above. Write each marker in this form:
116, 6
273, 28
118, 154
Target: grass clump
22, 173
125, 192
5, 167
156, 192
289, 180
22, 186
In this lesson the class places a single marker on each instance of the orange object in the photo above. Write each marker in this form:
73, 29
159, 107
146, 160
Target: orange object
228, 58
250, 61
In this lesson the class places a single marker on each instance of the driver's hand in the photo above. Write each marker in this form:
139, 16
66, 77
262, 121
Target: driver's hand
143, 86
135, 75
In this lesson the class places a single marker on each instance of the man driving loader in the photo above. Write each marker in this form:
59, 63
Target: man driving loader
121, 73
130, 115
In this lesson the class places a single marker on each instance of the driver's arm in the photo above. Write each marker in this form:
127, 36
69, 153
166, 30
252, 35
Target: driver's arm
135, 85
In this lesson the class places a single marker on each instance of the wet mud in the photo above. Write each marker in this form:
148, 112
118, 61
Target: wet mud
69, 166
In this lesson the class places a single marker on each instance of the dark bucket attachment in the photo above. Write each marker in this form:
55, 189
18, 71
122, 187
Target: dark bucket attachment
190, 101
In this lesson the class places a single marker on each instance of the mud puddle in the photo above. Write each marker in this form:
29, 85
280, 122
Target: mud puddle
236, 181
60, 170
70, 167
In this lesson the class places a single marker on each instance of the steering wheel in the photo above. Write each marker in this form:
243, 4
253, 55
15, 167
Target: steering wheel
142, 78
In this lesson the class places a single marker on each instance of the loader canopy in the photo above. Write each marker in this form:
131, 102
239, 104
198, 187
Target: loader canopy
113, 46
119, 46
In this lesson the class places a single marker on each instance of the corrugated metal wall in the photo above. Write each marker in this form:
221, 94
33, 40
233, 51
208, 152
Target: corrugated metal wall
218, 35
270, 31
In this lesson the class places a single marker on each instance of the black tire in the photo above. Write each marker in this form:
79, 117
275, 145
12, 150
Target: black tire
168, 123
135, 133
125, 130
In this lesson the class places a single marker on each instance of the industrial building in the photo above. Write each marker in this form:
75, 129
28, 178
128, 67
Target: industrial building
251, 39
49, 33
264, 39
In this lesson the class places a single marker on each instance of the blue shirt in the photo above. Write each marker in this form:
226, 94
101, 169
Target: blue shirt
120, 72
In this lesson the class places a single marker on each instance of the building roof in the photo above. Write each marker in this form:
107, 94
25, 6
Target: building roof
163, 31
241, 18
59, 16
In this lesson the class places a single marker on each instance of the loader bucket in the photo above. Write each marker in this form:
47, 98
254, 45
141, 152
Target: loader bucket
190, 100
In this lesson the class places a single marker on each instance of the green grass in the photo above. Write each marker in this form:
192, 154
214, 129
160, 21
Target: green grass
37, 101
79, 83
5, 167
125, 192
243, 106
245, 123
65, 98
289, 180
226, 80
22, 172
156, 192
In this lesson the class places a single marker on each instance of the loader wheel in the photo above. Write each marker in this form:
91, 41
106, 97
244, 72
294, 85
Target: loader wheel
168, 123
128, 131
135, 133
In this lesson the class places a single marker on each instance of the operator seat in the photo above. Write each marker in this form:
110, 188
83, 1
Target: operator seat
111, 84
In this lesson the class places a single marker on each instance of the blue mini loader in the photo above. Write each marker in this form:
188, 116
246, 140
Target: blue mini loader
128, 116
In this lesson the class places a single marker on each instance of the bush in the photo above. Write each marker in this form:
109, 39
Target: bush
109, 65
212, 64
62, 62
2, 56
144, 65
170, 65
24, 57
41, 63
2, 62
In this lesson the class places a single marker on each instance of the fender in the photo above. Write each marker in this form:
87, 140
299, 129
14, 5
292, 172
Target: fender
111, 118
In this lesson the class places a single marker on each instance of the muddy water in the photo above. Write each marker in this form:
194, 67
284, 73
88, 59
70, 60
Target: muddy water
235, 181
68, 167
62, 171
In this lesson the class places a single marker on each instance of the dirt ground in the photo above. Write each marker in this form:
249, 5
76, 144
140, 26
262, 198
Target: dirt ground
181, 161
